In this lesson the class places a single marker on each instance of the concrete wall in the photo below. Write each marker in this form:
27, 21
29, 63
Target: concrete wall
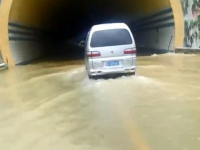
191, 16
24, 43
154, 27
28, 22
24, 28
1, 58
4, 17
155, 32
178, 22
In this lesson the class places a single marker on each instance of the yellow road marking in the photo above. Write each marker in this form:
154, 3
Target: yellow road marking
138, 141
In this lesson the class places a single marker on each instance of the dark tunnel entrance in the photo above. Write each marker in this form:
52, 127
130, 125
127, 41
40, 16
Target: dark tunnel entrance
60, 26
71, 22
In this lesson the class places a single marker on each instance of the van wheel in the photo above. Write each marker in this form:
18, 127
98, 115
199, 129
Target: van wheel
131, 74
90, 77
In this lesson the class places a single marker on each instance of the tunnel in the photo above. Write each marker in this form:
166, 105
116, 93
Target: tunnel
52, 29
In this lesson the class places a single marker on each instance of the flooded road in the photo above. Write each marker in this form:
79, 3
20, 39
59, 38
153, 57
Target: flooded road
48, 106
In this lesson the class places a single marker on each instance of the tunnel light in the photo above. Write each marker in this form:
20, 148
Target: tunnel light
93, 54
130, 51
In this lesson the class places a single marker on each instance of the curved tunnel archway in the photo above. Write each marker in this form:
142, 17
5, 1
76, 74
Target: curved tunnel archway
30, 29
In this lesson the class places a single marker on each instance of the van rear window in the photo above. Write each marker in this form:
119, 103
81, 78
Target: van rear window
110, 37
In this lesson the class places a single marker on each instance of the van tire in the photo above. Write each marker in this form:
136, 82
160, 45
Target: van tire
90, 77
131, 74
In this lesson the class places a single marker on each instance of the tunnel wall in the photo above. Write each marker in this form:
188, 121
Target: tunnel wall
154, 28
4, 42
24, 43
155, 32
21, 20
24, 30
1, 58
178, 22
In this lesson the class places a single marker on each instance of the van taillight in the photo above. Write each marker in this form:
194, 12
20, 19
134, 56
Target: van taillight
130, 51
93, 54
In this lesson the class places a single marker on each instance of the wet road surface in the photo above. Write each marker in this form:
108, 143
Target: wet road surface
48, 106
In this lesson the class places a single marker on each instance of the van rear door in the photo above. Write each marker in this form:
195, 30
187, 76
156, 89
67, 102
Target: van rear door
111, 44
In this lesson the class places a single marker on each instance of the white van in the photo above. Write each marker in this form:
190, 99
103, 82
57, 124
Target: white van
110, 49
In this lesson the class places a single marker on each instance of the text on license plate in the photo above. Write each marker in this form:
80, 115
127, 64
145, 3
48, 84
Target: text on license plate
112, 63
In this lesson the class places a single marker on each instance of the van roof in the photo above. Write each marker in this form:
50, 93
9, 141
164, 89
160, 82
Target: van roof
109, 26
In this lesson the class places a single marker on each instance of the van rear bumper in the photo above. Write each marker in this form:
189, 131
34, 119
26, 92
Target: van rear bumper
114, 70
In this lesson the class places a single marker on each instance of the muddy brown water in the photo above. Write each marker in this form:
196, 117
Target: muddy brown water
48, 106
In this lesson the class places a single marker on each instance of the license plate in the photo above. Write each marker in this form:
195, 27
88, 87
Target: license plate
112, 63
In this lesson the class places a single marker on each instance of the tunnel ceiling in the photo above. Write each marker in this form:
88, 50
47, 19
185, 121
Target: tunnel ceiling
76, 16
72, 17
